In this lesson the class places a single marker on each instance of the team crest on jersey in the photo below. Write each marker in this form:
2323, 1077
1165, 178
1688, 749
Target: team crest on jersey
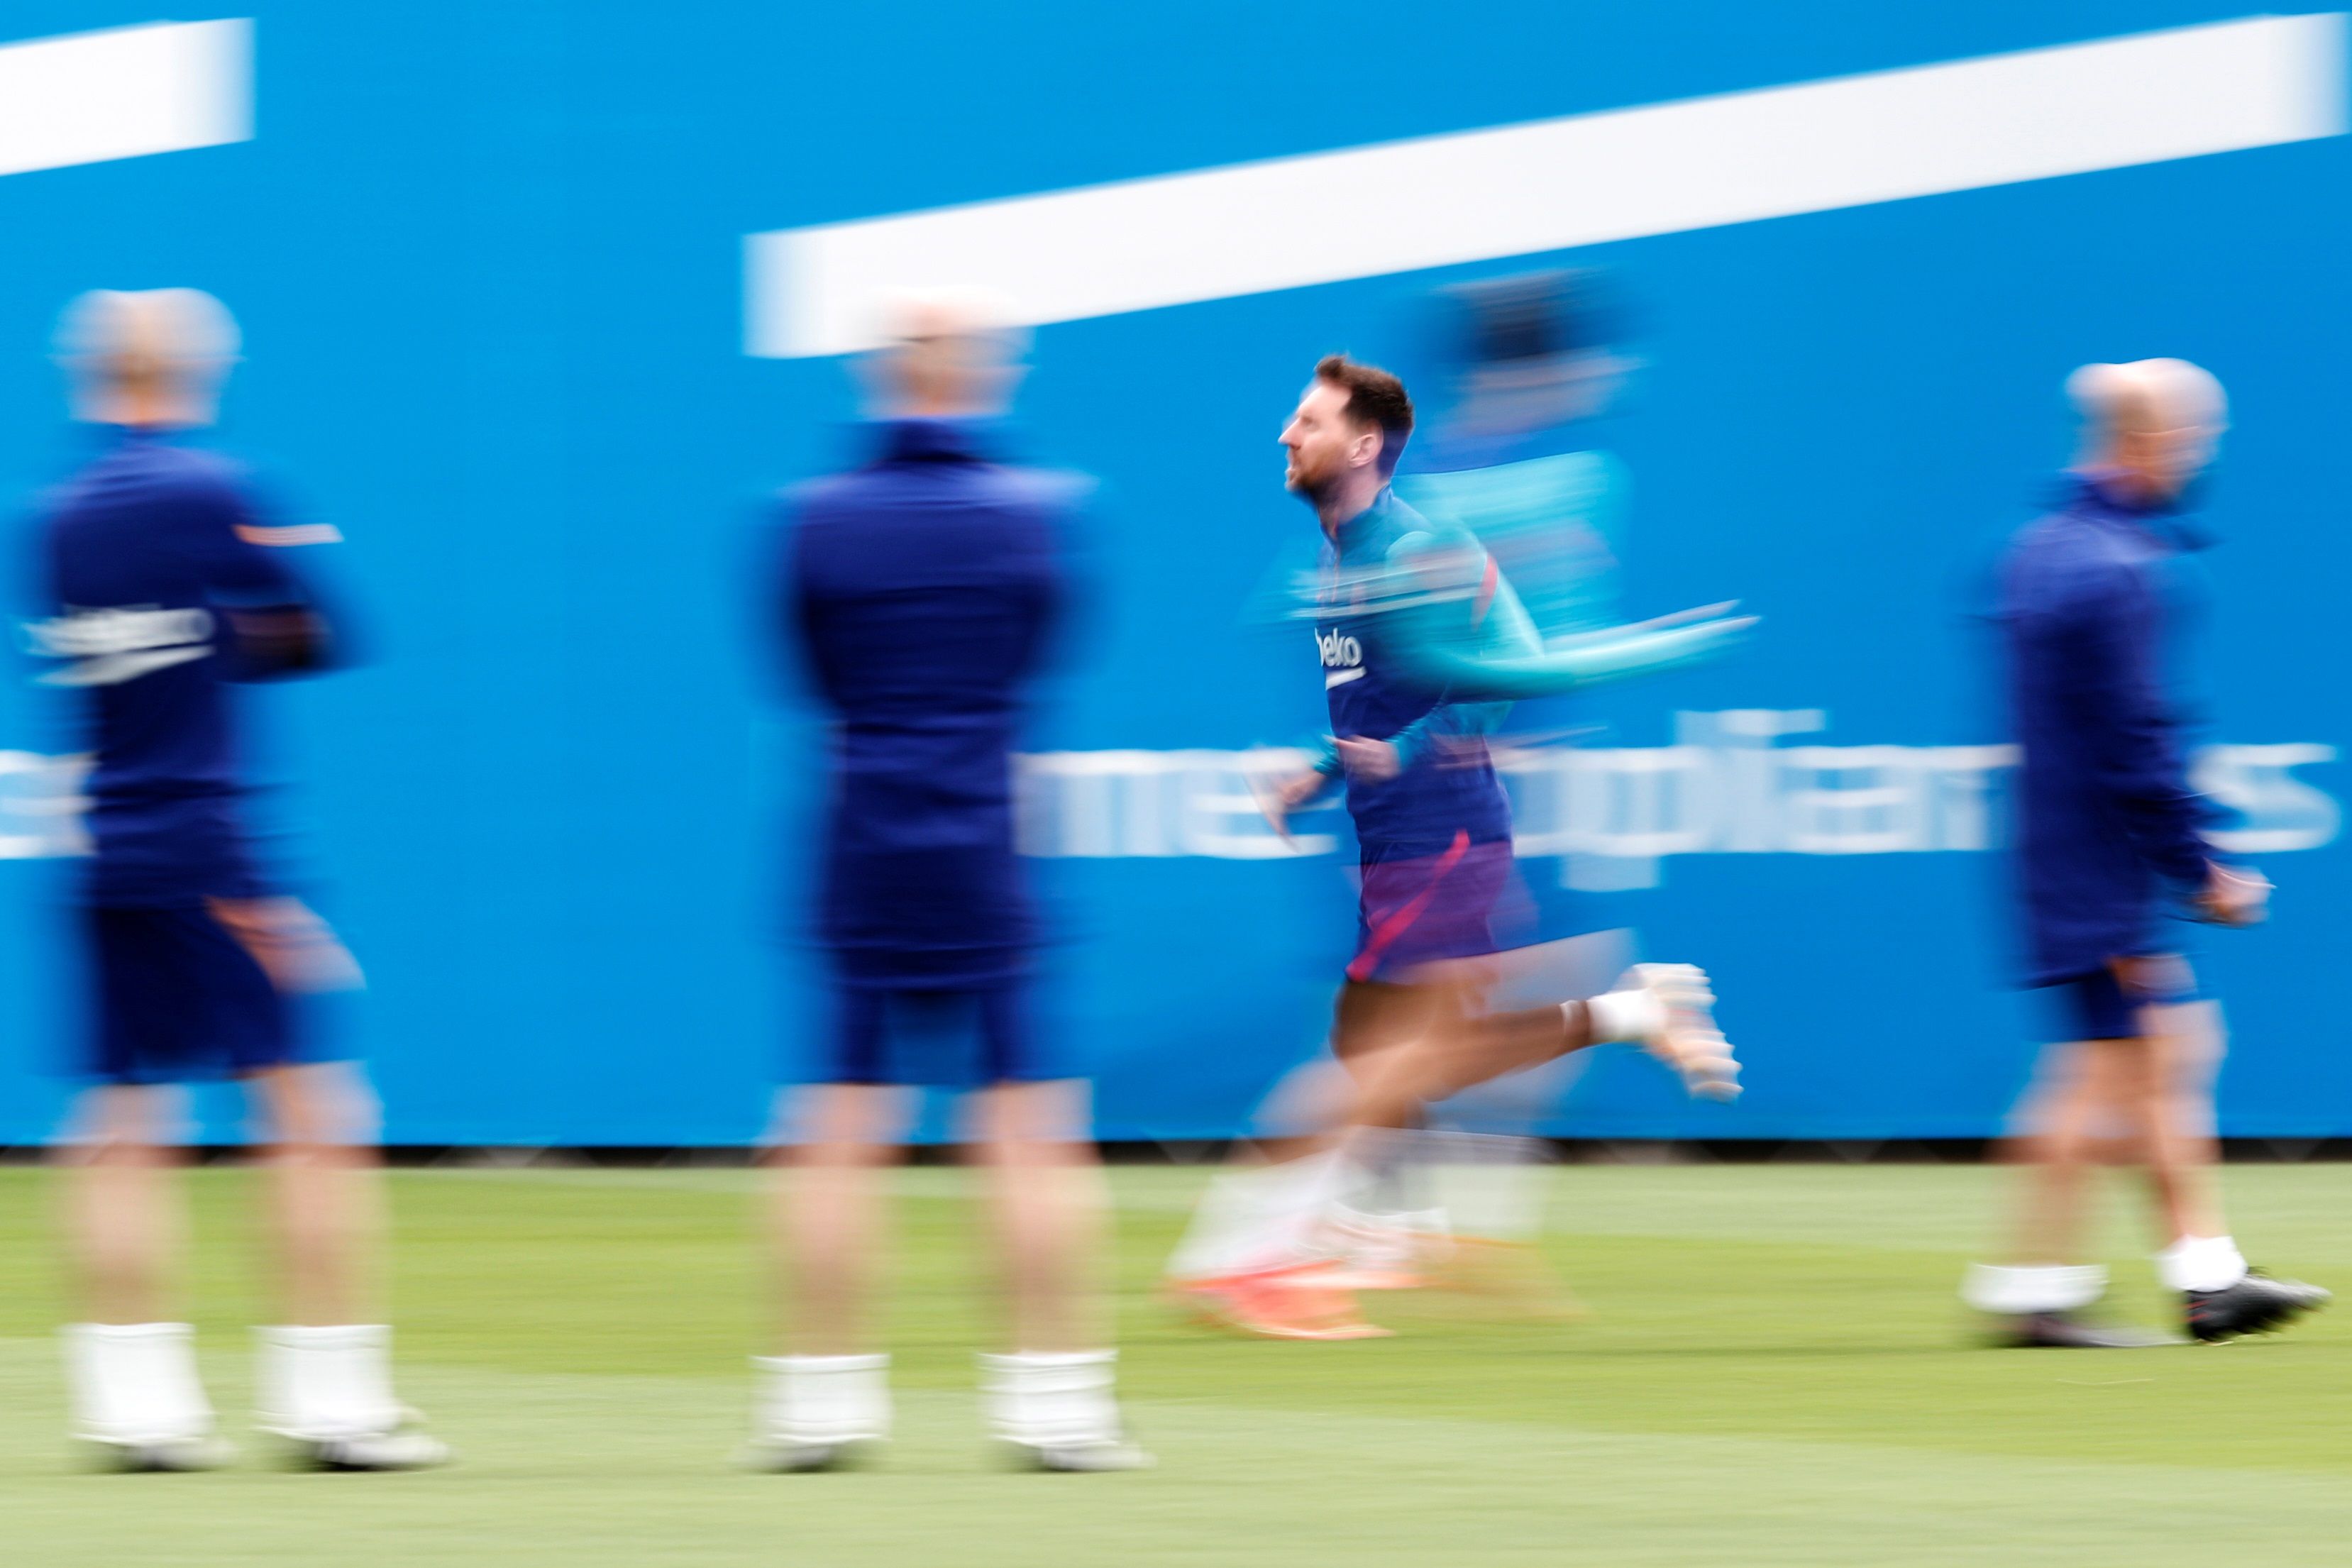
113, 645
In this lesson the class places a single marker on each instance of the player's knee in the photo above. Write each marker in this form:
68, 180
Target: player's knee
320, 1105
116, 1123
1037, 1123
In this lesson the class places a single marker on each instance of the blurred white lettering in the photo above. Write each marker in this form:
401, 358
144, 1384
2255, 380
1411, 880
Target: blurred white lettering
1725, 787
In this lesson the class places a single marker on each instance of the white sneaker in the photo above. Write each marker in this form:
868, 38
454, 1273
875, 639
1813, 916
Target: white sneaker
400, 1450
1689, 1043
166, 1455
1101, 1457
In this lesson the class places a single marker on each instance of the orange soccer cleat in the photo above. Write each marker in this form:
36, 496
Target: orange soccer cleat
1296, 1302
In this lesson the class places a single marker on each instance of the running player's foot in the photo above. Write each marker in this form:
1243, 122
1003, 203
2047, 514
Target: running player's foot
166, 1455
400, 1450
1295, 1302
2064, 1330
1384, 1252
1688, 1041
2254, 1305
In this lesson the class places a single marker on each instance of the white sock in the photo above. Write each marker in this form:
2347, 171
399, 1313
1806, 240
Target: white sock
1490, 1187
135, 1383
1051, 1400
2200, 1263
1624, 1015
321, 1384
823, 1399
2013, 1292
1261, 1218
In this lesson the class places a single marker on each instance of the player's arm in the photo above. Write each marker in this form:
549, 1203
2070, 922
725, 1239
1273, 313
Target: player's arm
2108, 657
1279, 798
1442, 660
1460, 629
277, 618
1447, 725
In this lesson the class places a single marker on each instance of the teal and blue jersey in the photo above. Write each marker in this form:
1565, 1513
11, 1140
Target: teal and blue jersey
1392, 582
1425, 643
166, 584
1551, 515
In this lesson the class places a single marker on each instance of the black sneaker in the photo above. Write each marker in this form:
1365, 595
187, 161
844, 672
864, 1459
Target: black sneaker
2063, 1331
2254, 1305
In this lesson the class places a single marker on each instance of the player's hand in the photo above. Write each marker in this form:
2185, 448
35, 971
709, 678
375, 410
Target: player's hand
297, 950
1368, 761
2233, 897
1278, 801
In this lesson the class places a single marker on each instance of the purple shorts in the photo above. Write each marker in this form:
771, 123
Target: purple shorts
1423, 909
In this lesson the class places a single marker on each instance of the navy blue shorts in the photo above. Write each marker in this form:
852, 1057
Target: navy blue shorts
964, 1037
2098, 1007
175, 998
1413, 910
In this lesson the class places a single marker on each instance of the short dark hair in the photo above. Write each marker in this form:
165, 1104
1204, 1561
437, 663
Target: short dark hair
1374, 397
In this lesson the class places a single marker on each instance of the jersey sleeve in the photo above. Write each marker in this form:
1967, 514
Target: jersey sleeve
246, 560
244, 557
1461, 630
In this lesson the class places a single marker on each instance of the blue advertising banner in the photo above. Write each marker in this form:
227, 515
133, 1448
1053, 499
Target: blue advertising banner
542, 302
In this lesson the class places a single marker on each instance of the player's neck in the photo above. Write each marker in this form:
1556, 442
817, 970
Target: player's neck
1347, 501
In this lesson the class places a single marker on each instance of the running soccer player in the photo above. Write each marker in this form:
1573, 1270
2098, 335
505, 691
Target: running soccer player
919, 591
1422, 644
2109, 847
167, 586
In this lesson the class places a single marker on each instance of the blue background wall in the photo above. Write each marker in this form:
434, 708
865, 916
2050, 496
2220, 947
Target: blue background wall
488, 259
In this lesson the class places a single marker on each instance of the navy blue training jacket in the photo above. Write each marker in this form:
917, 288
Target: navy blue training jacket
166, 584
2109, 831
920, 589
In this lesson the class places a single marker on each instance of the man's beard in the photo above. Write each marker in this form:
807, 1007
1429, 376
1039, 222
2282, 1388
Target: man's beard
1306, 487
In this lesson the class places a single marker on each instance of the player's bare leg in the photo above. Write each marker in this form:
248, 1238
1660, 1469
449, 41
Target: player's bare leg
1256, 1260
2142, 1087
1049, 1398
2090, 1092
137, 1398
2185, 1038
1250, 1260
828, 1213
125, 1219
324, 1376
1046, 1202
324, 1191
827, 1396
2222, 1296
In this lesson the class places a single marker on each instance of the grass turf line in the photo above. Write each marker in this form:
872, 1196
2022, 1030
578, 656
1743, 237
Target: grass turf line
1775, 1372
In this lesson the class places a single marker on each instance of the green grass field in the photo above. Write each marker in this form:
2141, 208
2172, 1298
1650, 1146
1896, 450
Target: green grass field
1774, 1371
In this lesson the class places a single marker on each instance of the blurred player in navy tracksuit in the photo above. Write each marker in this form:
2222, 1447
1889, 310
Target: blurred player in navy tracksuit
919, 591
166, 587
2110, 854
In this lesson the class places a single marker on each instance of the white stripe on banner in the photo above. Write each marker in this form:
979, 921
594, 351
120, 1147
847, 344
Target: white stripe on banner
1557, 183
91, 97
